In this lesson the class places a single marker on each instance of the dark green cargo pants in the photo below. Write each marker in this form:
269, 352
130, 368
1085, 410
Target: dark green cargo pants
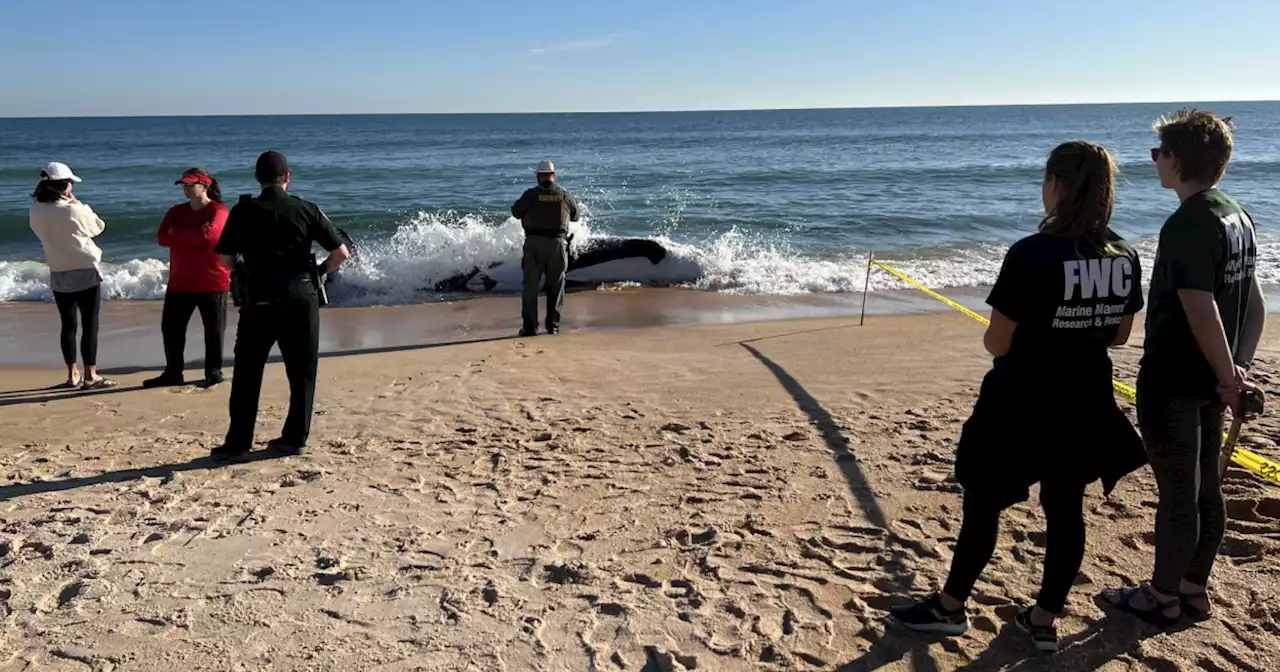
292, 321
549, 257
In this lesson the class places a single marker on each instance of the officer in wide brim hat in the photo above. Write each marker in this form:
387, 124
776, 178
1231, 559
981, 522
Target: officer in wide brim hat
545, 211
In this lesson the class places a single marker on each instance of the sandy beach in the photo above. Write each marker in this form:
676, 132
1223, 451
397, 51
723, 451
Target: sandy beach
735, 496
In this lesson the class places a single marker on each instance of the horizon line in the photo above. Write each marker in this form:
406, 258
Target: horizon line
621, 112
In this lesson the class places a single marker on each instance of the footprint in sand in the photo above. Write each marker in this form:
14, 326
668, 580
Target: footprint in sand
1243, 548
1268, 508
70, 595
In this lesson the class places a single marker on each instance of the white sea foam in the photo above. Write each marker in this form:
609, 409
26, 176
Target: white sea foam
431, 247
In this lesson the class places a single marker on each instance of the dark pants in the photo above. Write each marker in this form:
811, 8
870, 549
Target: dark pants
178, 307
1184, 440
544, 257
87, 303
294, 323
1063, 511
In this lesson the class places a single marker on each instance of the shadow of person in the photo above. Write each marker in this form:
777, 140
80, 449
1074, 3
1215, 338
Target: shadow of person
899, 647
14, 491
230, 362
60, 394
1102, 641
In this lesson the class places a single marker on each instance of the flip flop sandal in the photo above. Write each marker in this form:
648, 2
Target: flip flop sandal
1193, 612
99, 384
1153, 615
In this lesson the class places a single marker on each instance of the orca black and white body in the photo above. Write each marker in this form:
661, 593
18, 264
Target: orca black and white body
599, 262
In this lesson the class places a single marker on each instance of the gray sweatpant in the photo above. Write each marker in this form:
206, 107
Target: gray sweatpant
1183, 438
549, 257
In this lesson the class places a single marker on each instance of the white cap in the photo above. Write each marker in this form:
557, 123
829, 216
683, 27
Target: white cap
545, 167
58, 171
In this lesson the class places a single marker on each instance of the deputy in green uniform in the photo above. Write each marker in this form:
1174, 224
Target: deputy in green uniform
280, 294
545, 211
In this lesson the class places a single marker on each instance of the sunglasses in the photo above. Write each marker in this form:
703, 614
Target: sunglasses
1156, 152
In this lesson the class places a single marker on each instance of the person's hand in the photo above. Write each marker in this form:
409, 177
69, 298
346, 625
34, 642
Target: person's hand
1229, 392
1229, 395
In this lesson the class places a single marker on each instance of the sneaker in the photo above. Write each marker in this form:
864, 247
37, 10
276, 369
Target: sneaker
214, 377
526, 332
1044, 637
225, 453
285, 448
553, 330
165, 380
928, 615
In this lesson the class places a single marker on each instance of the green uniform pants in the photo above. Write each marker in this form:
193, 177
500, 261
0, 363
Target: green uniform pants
293, 321
544, 256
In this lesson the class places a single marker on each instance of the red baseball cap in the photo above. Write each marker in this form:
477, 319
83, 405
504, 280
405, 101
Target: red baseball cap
194, 179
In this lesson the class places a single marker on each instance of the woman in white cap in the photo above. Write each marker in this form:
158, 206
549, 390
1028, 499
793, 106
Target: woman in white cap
66, 228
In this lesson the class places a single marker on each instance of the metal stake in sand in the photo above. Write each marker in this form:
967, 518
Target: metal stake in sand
866, 285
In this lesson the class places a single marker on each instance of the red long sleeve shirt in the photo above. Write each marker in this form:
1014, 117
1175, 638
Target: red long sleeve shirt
191, 236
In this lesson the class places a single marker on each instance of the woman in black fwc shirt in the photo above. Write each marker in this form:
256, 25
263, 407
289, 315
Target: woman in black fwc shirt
1046, 413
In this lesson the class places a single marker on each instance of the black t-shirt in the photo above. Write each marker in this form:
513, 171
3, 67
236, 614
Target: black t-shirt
275, 231
1068, 299
1208, 245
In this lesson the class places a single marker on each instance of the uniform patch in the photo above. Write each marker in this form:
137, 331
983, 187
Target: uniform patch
549, 198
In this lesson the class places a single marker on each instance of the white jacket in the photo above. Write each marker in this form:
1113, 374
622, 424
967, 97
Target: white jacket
66, 230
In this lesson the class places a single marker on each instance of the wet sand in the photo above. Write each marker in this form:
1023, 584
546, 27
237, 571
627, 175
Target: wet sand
737, 496
129, 335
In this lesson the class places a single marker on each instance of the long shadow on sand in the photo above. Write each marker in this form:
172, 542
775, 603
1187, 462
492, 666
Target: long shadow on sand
198, 364
830, 430
43, 395
1103, 641
8, 492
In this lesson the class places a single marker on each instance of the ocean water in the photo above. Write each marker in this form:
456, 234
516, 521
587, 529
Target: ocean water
769, 202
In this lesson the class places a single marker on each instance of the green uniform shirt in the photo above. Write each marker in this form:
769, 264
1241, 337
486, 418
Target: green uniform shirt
1208, 245
546, 211
274, 233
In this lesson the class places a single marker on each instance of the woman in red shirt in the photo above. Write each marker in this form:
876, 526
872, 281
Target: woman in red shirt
197, 279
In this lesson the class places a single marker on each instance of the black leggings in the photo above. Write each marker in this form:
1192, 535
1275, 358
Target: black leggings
1064, 513
87, 303
1184, 442
178, 307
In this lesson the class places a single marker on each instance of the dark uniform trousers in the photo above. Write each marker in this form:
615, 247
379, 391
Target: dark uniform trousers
545, 257
293, 322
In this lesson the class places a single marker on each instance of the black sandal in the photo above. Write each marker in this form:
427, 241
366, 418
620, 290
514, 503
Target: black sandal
1153, 614
1193, 612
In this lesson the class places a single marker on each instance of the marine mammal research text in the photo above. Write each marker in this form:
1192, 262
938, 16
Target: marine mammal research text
1101, 279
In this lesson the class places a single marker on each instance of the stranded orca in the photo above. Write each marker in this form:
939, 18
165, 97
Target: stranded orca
352, 248
603, 260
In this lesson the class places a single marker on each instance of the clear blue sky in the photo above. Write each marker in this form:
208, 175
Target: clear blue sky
109, 57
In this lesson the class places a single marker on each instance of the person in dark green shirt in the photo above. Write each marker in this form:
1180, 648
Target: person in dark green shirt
1205, 317
273, 234
1046, 413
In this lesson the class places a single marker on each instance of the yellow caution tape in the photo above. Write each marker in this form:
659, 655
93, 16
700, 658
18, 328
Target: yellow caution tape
903, 277
1249, 460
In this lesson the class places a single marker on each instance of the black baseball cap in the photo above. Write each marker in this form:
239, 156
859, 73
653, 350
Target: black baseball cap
271, 166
